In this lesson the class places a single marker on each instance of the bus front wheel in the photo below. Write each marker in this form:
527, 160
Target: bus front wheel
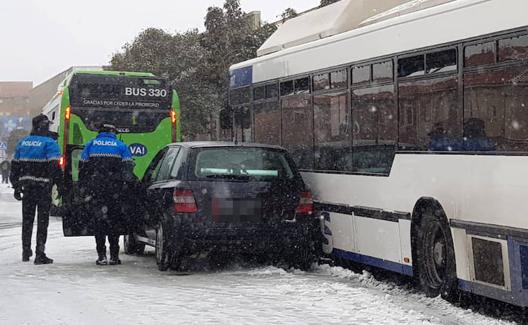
435, 256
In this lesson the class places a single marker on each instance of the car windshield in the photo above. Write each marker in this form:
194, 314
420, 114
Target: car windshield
242, 163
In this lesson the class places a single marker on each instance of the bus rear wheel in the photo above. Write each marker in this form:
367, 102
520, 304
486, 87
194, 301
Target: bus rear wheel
435, 262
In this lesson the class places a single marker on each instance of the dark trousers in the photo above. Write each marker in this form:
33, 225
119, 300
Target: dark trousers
5, 176
113, 240
107, 214
35, 198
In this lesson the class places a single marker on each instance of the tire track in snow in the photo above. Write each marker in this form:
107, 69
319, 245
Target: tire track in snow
10, 225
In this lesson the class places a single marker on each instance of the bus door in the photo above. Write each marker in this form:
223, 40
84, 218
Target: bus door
76, 220
79, 211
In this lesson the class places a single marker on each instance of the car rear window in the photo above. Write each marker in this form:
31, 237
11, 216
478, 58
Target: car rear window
234, 162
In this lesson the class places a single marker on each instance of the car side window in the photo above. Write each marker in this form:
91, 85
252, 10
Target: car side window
175, 172
155, 165
167, 163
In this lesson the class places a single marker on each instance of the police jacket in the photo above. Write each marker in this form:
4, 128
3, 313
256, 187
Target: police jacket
106, 163
36, 162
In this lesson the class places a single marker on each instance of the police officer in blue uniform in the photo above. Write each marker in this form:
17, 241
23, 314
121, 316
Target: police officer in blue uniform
106, 165
34, 169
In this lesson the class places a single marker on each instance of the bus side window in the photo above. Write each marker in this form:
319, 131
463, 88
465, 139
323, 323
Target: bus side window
513, 49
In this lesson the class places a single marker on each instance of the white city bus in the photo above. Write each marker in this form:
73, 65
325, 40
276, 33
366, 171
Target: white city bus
412, 131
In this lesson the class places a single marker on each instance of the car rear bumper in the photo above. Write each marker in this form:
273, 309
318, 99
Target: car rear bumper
255, 238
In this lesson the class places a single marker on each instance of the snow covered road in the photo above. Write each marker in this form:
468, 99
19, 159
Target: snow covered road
75, 291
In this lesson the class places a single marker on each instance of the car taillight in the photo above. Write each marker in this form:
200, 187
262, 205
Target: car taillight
305, 204
184, 201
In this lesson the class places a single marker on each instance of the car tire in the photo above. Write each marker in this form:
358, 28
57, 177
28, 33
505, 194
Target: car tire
435, 256
131, 246
301, 256
164, 252
305, 258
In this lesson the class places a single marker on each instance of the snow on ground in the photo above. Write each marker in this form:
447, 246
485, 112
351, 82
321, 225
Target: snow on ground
75, 291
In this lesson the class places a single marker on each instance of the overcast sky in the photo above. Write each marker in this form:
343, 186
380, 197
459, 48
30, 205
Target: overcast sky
40, 38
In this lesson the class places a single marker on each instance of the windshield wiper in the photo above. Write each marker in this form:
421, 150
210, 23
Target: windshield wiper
234, 177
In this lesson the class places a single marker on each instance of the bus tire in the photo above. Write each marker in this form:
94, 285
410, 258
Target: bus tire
131, 246
435, 255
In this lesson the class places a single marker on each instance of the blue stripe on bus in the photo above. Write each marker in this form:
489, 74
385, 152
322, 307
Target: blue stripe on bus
493, 293
516, 295
373, 261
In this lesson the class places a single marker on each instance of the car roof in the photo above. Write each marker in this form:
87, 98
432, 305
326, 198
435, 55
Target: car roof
219, 144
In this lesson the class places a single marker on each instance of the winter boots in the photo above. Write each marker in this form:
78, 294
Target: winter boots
100, 240
102, 260
26, 254
114, 259
42, 259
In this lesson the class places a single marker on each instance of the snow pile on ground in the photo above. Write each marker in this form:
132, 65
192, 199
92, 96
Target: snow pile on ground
6, 189
10, 209
440, 310
75, 291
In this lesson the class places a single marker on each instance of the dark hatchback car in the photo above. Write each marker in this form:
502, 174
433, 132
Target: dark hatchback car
215, 198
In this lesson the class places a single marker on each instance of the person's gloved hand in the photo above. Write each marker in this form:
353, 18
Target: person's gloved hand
18, 194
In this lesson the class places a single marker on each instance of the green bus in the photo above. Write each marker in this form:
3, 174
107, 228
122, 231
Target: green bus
143, 107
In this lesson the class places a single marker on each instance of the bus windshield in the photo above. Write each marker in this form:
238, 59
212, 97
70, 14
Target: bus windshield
132, 104
127, 121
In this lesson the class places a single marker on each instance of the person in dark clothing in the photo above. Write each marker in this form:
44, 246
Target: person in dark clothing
106, 165
34, 170
5, 167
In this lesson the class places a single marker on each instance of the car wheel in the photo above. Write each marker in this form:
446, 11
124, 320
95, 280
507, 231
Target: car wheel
131, 246
163, 250
435, 263
304, 258
301, 256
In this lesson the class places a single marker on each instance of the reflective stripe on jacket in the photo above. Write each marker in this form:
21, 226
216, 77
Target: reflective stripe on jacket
36, 161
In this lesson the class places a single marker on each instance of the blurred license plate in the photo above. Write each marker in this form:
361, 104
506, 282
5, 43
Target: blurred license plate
233, 210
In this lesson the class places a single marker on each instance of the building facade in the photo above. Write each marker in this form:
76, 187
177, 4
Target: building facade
14, 107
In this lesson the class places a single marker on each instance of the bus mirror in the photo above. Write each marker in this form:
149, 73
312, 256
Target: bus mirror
226, 119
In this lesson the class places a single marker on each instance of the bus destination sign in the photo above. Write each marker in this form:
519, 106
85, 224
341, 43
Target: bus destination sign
120, 92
